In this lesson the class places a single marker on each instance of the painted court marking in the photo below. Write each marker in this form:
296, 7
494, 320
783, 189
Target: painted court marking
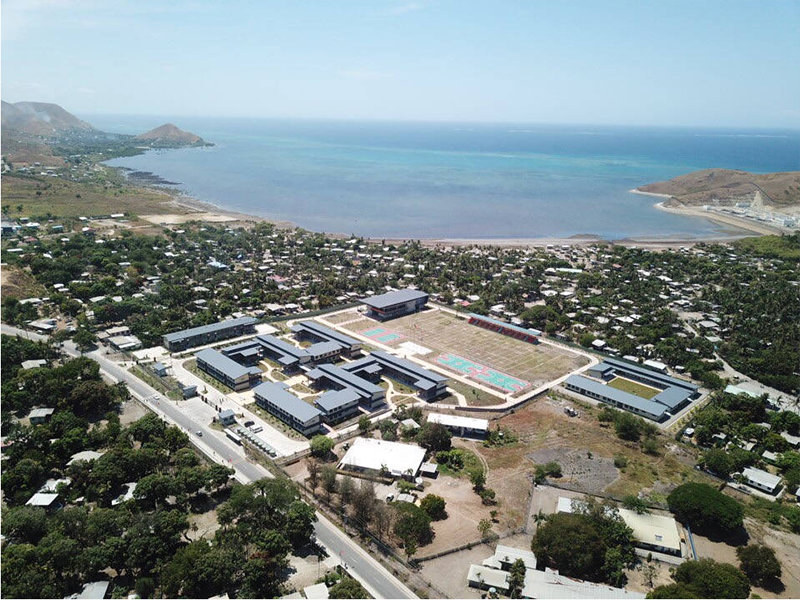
383, 335
481, 372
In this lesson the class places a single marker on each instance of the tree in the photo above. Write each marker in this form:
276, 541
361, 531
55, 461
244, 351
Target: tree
434, 437
321, 446
347, 587
412, 524
435, 507
300, 518
705, 509
759, 564
636, 504
364, 502
571, 543
346, 491
516, 578
673, 590
313, 474
478, 479
484, 527
383, 519
707, 578
628, 426
718, 461
364, 424
329, 483
84, 339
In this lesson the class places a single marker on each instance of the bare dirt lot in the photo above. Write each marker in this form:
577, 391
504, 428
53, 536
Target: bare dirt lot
446, 334
449, 573
546, 433
786, 546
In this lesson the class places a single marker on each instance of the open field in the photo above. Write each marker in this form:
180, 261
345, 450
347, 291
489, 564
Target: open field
61, 198
633, 387
586, 449
17, 283
489, 358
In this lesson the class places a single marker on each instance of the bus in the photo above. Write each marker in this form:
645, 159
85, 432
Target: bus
233, 437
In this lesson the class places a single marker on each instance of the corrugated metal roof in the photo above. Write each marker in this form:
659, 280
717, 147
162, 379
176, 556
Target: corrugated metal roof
325, 332
389, 299
277, 394
654, 375
504, 324
330, 401
227, 366
203, 329
647, 406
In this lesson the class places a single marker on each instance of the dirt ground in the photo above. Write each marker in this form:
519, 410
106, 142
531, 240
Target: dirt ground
131, 411
449, 573
464, 512
786, 546
202, 525
546, 433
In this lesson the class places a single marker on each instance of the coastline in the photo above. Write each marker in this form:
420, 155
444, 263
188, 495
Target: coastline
199, 210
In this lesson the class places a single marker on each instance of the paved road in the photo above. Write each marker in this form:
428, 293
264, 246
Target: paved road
378, 581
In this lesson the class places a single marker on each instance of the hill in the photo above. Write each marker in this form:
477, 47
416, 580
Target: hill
725, 186
171, 135
40, 119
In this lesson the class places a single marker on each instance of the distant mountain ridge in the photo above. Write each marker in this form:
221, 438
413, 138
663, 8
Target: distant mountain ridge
171, 135
40, 118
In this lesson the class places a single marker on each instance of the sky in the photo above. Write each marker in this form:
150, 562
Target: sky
729, 63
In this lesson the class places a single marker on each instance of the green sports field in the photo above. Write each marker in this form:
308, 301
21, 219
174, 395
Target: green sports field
632, 387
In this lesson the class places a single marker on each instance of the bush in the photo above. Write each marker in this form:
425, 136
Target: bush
321, 446
347, 588
434, 436
620, 462
435, 507
705, 509
412, 524
759, 564
710, 579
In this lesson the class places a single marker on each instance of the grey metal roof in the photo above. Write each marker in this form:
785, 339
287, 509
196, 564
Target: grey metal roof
654, 375
203, 329
330, 401
762, 477
222, 363
282, 347
226, 414
672, 396
325, 332
425, 379
321, 348
276, 394
346, 378
647, 406
390, 299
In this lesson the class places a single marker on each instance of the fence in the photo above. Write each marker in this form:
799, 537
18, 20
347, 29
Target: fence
469, 545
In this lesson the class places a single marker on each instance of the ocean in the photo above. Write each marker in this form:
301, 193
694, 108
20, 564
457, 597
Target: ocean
449, 180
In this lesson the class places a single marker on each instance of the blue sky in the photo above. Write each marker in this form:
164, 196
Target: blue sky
724, 63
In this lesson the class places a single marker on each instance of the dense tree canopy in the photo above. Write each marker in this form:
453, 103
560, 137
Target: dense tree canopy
705, 509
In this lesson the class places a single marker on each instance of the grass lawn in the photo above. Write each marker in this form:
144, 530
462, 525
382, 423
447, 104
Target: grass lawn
632, 387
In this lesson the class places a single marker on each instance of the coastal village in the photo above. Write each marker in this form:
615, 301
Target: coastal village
442, 403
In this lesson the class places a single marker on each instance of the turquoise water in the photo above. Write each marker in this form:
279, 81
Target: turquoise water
433, 180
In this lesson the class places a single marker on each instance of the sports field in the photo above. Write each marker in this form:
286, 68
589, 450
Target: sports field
633, 387
506, 364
